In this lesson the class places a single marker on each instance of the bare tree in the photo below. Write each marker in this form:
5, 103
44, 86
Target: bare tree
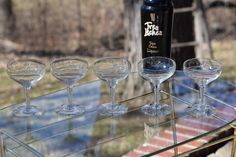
7, 18
2, 19
133, 29
132, 26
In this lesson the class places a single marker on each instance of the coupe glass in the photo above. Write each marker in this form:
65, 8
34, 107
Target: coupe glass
156, 70
27, 73
202, 71
69, 71
112, 71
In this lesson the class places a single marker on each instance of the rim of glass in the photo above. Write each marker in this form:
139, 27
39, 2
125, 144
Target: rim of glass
104, 58
174, 64
117, 58
24, 60
219, 65
67, 58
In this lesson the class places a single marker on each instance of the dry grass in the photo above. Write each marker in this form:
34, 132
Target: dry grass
225, 52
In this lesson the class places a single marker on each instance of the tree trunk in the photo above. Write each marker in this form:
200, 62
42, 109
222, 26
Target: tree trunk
2, 19
132, 24
7, 18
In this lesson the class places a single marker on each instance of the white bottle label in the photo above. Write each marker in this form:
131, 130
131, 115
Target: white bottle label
152, 30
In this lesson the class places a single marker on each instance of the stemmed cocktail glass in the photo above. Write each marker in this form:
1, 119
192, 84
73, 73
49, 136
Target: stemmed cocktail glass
202, 71
156, 70
112, 71
26, 72
69, 71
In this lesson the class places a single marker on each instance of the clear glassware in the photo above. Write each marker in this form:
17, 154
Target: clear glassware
156, 70
27, 73
112, 71
202, 71
69, 71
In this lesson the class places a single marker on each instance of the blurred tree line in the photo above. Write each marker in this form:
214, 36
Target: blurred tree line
62, 25
49, 24
91, 28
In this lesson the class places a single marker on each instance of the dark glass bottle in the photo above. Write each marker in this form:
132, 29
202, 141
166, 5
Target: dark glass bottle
156, 27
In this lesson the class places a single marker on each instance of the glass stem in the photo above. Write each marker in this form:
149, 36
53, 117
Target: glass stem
27, 98
157, 95
112, 91
69, 93
202, 97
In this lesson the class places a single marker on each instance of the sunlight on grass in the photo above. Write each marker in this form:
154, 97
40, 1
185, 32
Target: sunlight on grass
225, 53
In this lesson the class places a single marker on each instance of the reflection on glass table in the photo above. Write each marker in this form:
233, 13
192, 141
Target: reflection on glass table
8, 144
132, 134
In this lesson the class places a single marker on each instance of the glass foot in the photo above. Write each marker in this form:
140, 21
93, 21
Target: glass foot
204, 111
22, 111
150, 110
165, 110
108, 110
70, 110
156, 110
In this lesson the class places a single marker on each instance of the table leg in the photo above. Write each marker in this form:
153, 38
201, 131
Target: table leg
234, 142
170, 85
2, 147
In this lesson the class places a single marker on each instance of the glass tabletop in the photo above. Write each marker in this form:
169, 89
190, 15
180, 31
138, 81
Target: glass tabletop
8, 144
133, 134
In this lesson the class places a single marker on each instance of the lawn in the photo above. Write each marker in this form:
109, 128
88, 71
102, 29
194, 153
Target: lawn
225, 52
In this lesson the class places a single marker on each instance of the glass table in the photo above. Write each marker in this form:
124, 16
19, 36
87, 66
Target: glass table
133, 134
8, 144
